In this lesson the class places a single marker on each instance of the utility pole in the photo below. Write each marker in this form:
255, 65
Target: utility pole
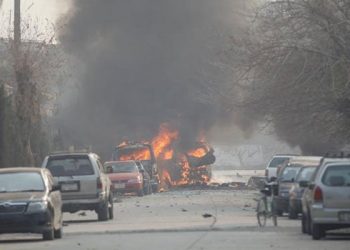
17, 25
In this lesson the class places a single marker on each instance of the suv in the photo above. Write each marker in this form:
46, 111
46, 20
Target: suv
84, 185
275, 164
326, 200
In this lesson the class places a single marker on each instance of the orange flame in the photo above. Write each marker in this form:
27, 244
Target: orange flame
199, 152
138, 155
163, 141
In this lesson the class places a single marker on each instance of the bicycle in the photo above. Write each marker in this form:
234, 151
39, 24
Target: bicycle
265, 206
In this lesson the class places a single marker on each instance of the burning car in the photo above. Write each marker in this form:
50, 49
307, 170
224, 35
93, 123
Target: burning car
142, 152
167, 163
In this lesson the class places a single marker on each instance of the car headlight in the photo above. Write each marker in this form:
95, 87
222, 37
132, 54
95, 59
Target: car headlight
38, 206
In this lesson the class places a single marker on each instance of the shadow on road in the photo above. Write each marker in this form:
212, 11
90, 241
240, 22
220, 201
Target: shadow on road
20, 241
65, 222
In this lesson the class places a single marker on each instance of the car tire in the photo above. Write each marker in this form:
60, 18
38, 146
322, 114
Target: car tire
58, 233
292, 214
308, 224
303, 224
111, 208
140, 193
49, 234
103, 212
149, 188
318, 231
279, 212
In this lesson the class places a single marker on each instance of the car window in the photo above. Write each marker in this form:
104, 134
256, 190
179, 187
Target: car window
121, 167
337, 176
70, 166
289, 173
20, 182
305, 174
278, 161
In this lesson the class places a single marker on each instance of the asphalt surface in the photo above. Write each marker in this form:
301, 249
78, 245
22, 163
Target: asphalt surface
180, 219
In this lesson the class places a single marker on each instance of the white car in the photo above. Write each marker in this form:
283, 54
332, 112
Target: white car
276, 163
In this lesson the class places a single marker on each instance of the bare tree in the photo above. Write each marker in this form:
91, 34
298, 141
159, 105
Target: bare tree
294, 71
36, 66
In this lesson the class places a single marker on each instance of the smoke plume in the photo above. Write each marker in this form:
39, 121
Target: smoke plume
144, 63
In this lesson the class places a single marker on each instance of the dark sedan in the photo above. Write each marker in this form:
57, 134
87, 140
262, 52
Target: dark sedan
30, 202
296, 192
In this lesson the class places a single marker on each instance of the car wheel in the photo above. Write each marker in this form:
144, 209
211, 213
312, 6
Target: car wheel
111, 207
49, 234
149, 188
279, 212
292, 214
308, 224
103, 212
303, 224
140, 193
58, 233
318, 231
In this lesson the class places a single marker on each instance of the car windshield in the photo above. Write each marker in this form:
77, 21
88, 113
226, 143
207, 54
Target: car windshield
70, 166
121, 167
289, 174
21, 182
305, 174
337, 176
277, 161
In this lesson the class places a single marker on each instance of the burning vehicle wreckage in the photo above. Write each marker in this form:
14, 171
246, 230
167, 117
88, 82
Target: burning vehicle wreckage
168, 165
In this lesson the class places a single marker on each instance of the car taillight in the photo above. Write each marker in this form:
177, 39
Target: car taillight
266, 172
99, 183
318, 196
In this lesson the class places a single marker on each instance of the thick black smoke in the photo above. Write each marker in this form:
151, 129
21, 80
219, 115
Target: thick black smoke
145, 62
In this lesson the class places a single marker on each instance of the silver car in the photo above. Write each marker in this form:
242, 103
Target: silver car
84, 185
326, 200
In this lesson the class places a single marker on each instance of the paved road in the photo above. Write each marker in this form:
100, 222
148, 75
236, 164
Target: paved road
174, 220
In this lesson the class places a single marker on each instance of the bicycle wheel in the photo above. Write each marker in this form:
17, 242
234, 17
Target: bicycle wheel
261, 212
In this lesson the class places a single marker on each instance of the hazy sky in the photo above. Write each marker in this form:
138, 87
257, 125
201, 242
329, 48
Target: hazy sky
39, 10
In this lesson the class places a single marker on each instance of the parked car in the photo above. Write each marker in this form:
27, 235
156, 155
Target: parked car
126, 177
326, 200
30, 202
296, 191
275, 164
84, 185
144, 153
286, 178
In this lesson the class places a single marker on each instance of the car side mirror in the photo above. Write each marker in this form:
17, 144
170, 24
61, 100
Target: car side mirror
141, 170
56, 187
303, 184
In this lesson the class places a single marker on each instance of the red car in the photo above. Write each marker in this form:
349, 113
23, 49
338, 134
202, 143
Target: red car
125, 177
